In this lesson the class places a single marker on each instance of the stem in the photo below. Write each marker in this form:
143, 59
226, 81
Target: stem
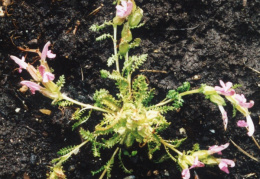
87, 106
129, 74
115, 50
170, 146
181, 94
255, 141
113, 156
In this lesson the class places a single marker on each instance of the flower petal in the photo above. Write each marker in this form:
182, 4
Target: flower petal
33, 86
251, 127
217, 149
20, 62
185, 173
242, 123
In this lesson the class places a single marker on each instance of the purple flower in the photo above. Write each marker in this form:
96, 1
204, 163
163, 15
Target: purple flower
125, 9
217, 149
242, 123
224, 163
46, 52
251, 127
197, 163
33, 86
224, 116
225, 89
242, 101
20, 62
185, 173
46, 76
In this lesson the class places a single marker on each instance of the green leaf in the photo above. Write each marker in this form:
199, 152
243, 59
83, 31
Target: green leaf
103, 37
60, 83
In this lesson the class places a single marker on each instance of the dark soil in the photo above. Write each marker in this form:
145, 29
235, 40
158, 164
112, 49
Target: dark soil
213, 39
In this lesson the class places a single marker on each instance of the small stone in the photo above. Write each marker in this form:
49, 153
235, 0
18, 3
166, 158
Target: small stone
130, 177
71, 168
182, 131
17, 110
156, 172
166, 173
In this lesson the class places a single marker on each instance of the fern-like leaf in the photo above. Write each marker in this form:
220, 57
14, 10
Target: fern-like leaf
64, 103
96, 28
111, 60
103, 37
121, 163
81, 120
60, 83
66, 150
138, 61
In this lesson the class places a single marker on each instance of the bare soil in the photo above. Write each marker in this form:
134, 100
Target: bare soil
199, 41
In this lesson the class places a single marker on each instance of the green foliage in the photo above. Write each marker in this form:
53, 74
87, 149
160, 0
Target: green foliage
236, 86
103, 37
175, 96
162, 109
135, 43
111, 60
196, 147
138, 26
184, 87
138, 61
66, 150
121, 163
61, 81
105, 100
96, 28
176, 142
78, 115
64, 103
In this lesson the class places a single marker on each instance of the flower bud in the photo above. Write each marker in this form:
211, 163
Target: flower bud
123, 48
217, 99
208, 90
135, 18
201, 154
118, 21
126, 34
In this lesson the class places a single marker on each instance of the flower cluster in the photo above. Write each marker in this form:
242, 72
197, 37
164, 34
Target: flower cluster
237, 100
41, 75
202, 157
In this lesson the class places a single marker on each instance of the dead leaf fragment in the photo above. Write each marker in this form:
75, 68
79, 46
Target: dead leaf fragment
45, 111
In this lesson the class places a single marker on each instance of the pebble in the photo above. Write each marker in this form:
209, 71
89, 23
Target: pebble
17, 110
130, 177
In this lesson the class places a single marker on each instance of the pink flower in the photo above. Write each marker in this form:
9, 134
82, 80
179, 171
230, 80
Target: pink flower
242, 123
185, 173
224, 116
46, 52
33, 86
46, 76
20, 62
251, 127
225, 89
242, 101
197, 163
224, 163
217, 149
125, 9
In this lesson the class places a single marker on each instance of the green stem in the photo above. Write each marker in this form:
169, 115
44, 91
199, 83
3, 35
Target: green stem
105, 171
170, 146
115, 50
181, 94
86, 106
190, 92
